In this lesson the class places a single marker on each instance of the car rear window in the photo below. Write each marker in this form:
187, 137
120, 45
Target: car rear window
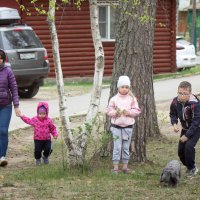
20, 39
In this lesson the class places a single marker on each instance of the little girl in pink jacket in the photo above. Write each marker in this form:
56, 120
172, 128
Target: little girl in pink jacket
43, 129
122, 109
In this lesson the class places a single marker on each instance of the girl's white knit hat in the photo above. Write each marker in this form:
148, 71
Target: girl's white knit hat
123, 80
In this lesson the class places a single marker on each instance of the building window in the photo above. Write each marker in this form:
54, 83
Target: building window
107, 22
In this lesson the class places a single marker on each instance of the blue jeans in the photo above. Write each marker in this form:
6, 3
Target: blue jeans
5, 116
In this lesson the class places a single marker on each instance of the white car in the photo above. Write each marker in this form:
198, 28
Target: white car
185, 54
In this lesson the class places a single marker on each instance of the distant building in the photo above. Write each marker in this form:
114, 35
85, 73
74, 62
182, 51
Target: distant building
185, 21
183, 4
183, 26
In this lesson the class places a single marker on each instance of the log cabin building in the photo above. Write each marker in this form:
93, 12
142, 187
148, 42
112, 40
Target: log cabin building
75, 39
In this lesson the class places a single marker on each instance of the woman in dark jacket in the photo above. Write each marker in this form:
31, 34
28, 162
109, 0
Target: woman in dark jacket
8, 95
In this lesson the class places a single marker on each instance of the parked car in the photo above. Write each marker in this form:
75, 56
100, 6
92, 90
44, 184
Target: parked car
185, 54
25, 53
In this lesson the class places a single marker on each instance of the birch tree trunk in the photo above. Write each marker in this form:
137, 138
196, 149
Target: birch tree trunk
75, 146
59, 78
134, 57
99, 62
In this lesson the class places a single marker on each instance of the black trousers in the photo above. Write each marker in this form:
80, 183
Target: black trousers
186, 150
42, 146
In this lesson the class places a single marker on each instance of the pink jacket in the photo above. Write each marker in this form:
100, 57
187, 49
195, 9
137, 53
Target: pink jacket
123, 102
43, 128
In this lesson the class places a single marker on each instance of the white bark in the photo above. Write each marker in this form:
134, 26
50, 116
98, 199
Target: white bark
82, 139
59, 75
99, 62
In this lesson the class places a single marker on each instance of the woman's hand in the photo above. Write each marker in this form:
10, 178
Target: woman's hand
17, 112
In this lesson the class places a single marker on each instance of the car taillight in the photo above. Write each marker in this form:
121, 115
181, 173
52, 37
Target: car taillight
179, 47
17, 29
45, 55
7, 61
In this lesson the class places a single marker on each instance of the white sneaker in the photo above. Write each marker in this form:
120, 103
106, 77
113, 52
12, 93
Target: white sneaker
192, 172
3, 161
196, 171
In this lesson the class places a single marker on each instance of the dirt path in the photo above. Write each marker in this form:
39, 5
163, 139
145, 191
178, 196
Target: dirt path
20, 151
20, 156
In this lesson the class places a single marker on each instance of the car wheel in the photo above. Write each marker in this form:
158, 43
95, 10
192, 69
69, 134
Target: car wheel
180, 69
29, 92
187, 68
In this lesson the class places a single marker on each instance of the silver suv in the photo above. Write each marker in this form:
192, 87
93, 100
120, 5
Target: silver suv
26, 56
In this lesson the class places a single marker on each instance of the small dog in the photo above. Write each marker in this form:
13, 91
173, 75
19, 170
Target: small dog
171, 174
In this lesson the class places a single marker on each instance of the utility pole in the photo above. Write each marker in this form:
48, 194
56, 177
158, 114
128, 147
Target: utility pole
193, 33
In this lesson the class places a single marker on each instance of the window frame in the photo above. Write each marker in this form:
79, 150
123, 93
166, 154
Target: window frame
108, 13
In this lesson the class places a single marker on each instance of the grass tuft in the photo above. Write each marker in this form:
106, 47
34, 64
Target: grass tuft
186, 72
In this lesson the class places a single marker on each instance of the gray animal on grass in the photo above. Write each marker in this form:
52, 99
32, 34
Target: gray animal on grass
171, 173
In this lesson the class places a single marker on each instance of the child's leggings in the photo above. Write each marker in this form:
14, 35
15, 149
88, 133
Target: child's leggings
42, 146
122, 140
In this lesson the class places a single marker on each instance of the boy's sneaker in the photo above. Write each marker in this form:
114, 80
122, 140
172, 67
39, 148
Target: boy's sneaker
46, 160
38, 162
192, 172
3, 161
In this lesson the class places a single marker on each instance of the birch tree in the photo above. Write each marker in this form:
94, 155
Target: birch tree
99, 62
76, 141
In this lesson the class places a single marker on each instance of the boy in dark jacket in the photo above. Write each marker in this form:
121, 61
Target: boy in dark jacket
186, 108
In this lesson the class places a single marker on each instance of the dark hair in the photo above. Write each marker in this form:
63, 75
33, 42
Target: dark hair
185, 85
3, 55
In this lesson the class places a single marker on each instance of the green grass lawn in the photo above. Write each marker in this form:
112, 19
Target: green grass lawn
56, 181
186, 72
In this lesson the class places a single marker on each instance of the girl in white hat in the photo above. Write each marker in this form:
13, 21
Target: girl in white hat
122, 109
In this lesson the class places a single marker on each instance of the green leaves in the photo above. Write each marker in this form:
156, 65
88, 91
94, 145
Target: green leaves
65, 1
